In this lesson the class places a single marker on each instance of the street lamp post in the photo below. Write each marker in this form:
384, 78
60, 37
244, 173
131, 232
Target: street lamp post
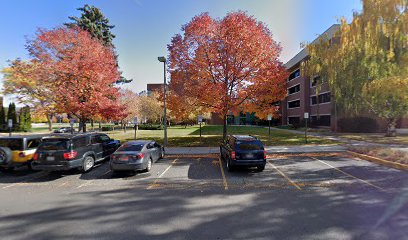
163, 60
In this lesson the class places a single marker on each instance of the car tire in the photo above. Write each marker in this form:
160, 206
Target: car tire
149, 165
87, 164
229, 167
260, 168
5, 156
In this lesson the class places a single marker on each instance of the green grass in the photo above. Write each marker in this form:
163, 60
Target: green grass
212, 136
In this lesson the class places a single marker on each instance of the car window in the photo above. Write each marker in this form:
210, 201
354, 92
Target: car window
13, 144
54, 144
131, 148
156, 145
33, 143
248, 145
104, 138
80, 142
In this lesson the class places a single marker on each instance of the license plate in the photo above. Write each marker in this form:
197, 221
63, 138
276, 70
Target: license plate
250, 155
50, 158
123, 158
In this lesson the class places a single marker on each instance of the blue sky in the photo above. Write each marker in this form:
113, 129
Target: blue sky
145, 27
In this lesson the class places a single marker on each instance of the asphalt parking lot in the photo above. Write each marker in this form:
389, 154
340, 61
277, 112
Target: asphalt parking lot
320, 196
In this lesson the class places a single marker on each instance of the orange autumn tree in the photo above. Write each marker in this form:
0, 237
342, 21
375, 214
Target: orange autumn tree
226, 65
81, 72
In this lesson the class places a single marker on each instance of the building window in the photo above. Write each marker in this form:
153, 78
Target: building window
294, 89
294, 75
323, 98
293, 120
315, 81
321, 121
294, 104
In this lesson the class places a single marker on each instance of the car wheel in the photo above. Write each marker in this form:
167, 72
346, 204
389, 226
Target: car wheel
149, 165
261, 168
88, 164
229, 167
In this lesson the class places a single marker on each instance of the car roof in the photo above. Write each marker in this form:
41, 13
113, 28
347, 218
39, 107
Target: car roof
137, 142
244, 137
70, 136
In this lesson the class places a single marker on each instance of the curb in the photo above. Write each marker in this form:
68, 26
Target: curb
379, 161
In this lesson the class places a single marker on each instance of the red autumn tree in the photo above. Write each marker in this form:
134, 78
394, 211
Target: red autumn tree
81, 70
227, 65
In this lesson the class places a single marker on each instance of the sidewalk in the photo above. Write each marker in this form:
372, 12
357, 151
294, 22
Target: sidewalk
269, 149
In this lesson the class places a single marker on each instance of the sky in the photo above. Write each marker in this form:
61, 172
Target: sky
143, 28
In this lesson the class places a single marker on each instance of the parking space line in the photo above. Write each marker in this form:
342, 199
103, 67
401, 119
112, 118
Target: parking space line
348, 174
224, 179
161, 175
284, 175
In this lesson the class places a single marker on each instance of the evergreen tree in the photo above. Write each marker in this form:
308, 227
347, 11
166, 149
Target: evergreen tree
21, 120
3, 119
93, 21
25, 119
12, 114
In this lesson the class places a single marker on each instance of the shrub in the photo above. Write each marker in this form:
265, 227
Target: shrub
358, 125
150, 127
107, 128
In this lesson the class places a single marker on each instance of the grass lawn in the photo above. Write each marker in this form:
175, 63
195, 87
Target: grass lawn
212, 136
376, 138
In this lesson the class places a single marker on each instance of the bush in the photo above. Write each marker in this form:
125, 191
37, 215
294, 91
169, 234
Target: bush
107, 128
150, 127
358, 125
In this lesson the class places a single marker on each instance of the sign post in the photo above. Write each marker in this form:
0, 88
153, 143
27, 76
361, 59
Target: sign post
269, 122
71, 123
200, 120
10, 126
135, 122
306, 117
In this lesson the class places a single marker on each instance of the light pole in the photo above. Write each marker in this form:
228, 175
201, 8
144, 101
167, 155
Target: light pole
163, 60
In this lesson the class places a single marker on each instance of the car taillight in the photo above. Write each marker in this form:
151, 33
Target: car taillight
70, 155
140, 155
35, 157
21, 154
233, 155
264, 154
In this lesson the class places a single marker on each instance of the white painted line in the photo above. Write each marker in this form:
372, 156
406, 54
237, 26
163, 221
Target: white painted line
161, 175
348, 174
284, 175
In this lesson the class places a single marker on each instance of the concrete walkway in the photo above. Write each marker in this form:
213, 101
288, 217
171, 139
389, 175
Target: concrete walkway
269, 149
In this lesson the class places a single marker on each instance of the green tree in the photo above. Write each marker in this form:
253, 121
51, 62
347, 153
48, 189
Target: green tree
93, 21
25, 119
373, 47
12, 114
3, 124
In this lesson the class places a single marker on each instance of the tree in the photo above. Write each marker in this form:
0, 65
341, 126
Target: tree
150, 108
3, 123
130, 101
31, 86
227, 65
387, 99
93, 21
81, 71
12, 114
25, 119
373, 47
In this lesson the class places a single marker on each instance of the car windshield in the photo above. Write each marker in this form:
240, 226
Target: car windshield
131, 148
248, 145
54, 144
13, 144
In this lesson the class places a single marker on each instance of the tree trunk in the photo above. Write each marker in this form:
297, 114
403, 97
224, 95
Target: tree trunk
100, 126
124, 127
49, 118
391, 132
92, 124
82, 125
224, 129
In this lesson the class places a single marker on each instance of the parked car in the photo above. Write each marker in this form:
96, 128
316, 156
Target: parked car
243, 150
18, 150
64, 130
136, 155
67, 151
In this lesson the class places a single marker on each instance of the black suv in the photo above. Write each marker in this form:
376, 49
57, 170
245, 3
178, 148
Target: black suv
243, 150
66, 151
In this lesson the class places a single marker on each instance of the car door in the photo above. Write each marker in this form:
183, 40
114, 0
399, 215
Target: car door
107, 144
151, 151
97, 146
156, 150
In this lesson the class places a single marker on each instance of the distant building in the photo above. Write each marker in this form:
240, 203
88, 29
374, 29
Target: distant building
154, 87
